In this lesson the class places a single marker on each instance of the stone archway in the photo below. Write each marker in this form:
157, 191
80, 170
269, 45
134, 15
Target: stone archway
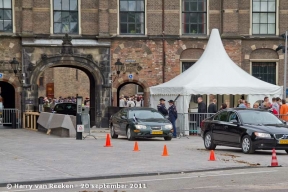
14, 91
83, 63
124, 81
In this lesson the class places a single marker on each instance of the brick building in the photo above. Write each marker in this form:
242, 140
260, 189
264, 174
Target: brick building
154, 39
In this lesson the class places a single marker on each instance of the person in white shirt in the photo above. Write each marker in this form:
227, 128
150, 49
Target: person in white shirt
121, 102
130, 103
138, 102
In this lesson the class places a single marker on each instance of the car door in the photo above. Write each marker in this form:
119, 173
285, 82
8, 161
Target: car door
219, 124
234, 131
116, 122
123, 121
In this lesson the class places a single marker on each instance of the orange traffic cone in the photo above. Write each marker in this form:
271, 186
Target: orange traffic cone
136, 146
212, 156
108, 142
165, 152
274, 162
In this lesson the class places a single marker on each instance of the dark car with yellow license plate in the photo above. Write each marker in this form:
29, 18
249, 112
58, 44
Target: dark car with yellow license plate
137, 122
248, 129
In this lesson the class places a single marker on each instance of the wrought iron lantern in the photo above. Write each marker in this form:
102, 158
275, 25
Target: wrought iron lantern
15, 65
118, 66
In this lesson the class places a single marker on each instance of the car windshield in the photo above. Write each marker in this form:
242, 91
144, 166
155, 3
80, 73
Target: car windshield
145, 114
259, 117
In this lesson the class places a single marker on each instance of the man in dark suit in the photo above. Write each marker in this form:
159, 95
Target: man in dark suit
201, 106
212, 108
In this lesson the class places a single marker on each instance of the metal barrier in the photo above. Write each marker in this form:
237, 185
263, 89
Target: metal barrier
10, 117
85, 118
189, 123
30, 120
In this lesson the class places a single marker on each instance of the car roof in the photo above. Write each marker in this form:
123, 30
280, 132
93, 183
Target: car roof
65, 103
140, 108
244, 109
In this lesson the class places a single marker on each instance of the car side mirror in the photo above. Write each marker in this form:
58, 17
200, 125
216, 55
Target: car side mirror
123, 117
234, 121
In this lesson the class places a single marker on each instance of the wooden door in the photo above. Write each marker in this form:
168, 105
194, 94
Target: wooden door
50, 90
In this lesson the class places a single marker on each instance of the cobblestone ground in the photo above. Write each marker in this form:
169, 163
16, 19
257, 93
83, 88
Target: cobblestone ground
32, 156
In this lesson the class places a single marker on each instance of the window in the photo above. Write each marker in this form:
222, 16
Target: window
41, 81
6, 16
221, 116
186, 65
194, 16
233, 116
132, 16
264, 17
265, 71
66, 16
139, 89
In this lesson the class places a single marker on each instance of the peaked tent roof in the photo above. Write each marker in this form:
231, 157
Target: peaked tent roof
215, 73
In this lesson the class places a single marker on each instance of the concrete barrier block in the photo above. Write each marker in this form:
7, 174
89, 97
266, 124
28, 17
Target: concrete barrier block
61, 125
44, 119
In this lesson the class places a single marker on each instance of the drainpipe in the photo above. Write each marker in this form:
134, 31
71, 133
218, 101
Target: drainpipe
221, 16
163, 43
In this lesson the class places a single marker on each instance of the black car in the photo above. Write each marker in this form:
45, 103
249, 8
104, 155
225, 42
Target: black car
249, 129
140, 122
65, 108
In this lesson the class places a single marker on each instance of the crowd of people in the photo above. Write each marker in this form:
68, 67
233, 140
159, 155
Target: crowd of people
49, 102
132, 101
277, 106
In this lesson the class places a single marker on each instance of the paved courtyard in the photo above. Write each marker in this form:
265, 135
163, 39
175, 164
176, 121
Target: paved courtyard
27, 155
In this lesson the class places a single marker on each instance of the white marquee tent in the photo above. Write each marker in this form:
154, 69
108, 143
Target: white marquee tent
214, 73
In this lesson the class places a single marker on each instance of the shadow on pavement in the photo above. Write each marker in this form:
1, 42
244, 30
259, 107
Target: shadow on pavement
260, 152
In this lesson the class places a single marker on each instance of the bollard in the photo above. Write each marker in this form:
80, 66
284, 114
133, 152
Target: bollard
79, 135
78, 122
13, 118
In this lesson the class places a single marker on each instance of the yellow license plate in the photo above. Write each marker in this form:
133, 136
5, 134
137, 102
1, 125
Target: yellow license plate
283, 141
157, 132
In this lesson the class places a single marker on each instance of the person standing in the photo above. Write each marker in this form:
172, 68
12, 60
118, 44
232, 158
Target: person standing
130, 103
242, 104
201, 106
162, 108
212, 108
138, 102
284, 111
121, 102
172, 112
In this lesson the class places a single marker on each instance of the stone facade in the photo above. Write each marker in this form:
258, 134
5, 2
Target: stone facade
157, 54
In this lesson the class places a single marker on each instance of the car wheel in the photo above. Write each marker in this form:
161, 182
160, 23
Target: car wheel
208, 141
247, 146
112, 132
167, 138
130, 134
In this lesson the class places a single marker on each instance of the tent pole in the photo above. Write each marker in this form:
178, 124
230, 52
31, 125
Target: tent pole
285, 67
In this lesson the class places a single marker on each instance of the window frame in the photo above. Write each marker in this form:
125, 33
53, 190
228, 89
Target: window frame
52, 31
230, 113
267, 12
276, 69
215, 118
197, 12
186, 62
12, 17
127, 23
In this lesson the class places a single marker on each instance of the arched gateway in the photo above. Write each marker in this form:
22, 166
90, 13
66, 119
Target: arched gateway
91, 57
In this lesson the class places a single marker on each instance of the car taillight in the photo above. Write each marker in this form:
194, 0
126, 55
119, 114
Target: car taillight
202, 124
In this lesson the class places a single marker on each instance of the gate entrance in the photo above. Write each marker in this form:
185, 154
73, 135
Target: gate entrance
9, 116
7, 92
